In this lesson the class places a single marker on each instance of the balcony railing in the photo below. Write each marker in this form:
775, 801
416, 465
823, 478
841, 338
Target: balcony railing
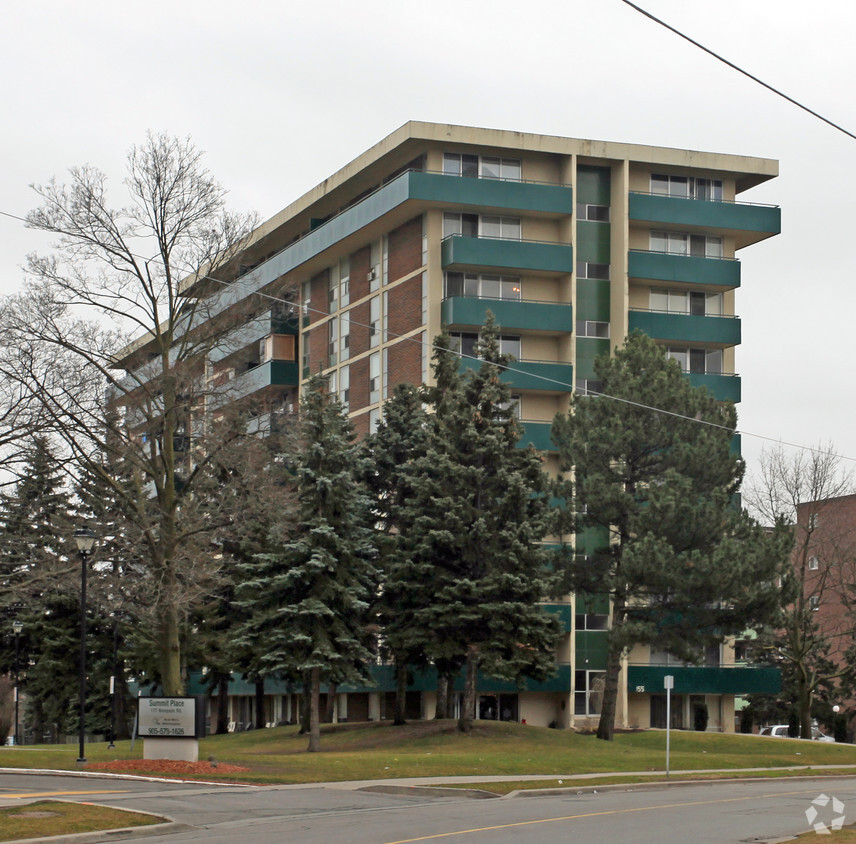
506, 253
720, 329
646, 264
510, 314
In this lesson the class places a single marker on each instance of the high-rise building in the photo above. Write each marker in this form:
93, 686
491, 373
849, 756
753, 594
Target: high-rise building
572, 244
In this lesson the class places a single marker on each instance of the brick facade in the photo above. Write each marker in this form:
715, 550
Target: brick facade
405, 362
404, 307
405, 249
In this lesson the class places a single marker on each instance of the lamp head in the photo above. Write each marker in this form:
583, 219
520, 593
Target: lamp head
17, 627
85, 539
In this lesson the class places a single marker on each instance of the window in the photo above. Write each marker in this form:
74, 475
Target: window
589, 387
682, 243
374, 321
464, 343
472, 225
514, 405
685, 302
482, 286
305, 355
587, 269
592, 328
385, 259
333, 291
593, 213
487, 167
812, 521
374, 270
344, 282
591, 621
333, 341
374, 419
814, 602
813, 563
345, 387
346, 337
687, 187
306, 297
588, 692
374, 378
697, 361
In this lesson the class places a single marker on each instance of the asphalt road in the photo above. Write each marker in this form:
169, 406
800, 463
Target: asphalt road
713, 813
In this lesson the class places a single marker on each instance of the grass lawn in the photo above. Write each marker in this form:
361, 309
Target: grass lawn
51, 817
435, 748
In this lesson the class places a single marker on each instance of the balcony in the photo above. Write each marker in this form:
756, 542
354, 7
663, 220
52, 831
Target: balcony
511, 314
405, 194
252, 332
722, 387
661, 325
549, 376
461, 252
705, 680
538, 434
273, 373
747, 222
667, 266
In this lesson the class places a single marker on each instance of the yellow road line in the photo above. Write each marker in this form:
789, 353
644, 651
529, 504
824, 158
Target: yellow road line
598, 814
58, 794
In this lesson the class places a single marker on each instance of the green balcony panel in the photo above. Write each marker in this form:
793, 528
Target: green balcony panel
252, 332
591, 539
459, 251
594, 604
590, 649
722, 387
721, 330
281, 373
663, 266
538, 434
701, 680
750, 223
491, 193
562, 611
589, 349
736, 445
593, 241
532, 374
510, 314
593, 299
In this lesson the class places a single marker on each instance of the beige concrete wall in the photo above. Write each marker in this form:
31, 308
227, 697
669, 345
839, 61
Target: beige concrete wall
638, 711
539, 347
539, 709
539, 406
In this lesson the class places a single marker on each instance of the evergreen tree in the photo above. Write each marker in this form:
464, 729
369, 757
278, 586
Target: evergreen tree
311, 598
393, 451
480, 510
683, 566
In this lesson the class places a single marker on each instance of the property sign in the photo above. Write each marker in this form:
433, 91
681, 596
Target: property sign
168, 717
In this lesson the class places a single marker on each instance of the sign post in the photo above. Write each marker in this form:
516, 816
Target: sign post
668, 685
171, 727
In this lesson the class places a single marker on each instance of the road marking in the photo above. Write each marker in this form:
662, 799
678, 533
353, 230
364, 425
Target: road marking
599, 814
58, 794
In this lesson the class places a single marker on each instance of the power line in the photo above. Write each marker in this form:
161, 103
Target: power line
739, 69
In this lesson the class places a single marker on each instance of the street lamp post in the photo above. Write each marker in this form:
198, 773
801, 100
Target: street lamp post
85, 539
17, 627
114, 680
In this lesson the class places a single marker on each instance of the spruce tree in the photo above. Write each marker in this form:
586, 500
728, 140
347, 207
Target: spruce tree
393, 452
480, 510
311, 598
684, 566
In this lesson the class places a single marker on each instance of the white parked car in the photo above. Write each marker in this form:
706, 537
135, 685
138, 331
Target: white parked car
781, 731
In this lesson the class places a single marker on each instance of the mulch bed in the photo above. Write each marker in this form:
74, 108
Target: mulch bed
167, 766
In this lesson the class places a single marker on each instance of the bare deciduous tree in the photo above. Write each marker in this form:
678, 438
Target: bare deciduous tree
805, 489
112, 338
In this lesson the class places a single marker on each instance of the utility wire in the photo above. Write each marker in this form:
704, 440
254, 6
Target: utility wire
739, 69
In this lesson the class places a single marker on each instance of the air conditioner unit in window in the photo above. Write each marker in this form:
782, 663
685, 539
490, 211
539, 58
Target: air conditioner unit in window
372, 274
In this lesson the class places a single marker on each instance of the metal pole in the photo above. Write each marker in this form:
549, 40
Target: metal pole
669, 683
113, 682
82, 726
17, 720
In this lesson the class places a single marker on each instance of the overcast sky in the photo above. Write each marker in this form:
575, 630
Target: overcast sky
281, 95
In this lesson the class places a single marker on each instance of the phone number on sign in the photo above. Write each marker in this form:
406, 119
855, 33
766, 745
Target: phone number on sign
165, 731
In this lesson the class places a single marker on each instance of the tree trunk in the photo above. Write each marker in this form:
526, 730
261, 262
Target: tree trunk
606, 725
442, 710
804, 705
465, 722
222, 704
314, 713
400, 690
331, 703
260, 704
306, 700
171, 651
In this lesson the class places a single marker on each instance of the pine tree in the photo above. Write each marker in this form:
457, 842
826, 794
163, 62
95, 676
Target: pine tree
480, 510
311, 598
683, 566
393, 452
